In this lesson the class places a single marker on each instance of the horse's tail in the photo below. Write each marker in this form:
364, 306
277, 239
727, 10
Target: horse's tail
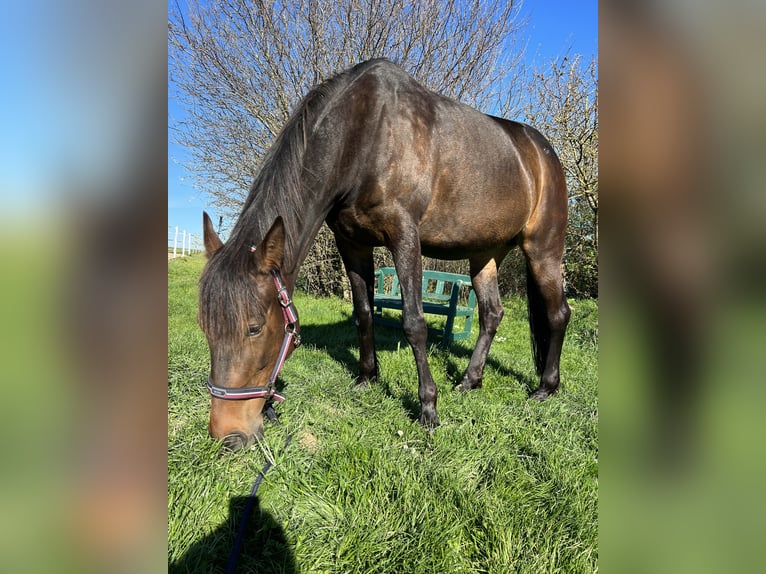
538, 322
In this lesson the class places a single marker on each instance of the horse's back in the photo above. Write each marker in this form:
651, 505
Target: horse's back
469, 180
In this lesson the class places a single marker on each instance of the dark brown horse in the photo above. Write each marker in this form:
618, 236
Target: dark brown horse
385, 162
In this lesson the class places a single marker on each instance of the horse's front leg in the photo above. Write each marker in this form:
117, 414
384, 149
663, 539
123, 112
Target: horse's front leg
406, 254
361, 274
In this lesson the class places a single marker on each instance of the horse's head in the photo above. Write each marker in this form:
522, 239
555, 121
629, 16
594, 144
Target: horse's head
250, 329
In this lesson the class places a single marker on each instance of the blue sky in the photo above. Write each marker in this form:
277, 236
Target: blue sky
554, 26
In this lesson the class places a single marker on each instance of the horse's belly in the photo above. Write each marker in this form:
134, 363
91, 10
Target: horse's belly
461, 237
472, 225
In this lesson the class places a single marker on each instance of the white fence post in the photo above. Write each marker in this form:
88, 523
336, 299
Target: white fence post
190, 243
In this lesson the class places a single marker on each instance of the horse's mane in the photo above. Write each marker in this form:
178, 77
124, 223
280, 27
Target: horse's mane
225, 289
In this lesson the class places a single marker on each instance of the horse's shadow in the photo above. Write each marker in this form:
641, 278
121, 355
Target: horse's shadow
264, 549
339, 339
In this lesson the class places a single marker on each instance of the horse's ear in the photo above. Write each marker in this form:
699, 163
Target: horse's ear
212, 242
270, 253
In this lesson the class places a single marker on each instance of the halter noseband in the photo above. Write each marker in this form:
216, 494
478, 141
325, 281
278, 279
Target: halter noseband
291, 340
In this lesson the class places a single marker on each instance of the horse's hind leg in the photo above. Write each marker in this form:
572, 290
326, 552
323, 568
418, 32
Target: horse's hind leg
548, 314
361, 274
484, 280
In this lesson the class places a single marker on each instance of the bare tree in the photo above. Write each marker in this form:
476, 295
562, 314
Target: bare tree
563, 105
238, 67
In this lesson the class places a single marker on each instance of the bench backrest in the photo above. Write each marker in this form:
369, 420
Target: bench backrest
437, 285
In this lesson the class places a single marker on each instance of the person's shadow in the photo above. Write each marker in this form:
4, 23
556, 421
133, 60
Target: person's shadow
264, 549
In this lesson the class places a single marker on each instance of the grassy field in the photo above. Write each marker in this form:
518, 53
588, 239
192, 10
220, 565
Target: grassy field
502, 485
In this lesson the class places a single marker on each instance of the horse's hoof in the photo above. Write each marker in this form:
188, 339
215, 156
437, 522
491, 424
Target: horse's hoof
541, 393
429, 421
364, 382
468, 385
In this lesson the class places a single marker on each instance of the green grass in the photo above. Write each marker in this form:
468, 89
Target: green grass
502, 485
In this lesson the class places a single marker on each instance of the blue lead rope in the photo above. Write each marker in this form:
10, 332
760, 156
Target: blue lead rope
235, 551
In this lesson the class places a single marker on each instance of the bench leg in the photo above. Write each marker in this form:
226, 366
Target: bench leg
484, 280
361, 274
447, 337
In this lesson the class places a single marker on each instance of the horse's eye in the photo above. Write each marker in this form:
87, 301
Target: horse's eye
253, 330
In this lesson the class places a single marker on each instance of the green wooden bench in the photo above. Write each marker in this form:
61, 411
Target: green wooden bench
446, 294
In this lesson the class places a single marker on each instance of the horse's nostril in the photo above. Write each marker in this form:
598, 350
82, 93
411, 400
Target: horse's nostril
235, 441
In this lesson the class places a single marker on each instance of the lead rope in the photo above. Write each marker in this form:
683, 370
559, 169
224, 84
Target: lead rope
235, 551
